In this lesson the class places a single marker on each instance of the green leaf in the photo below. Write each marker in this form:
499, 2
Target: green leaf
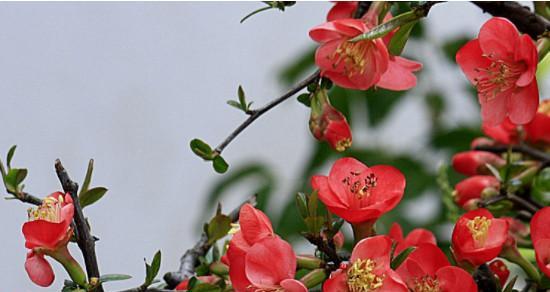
10, 155
312, 203
91, 196
235, 104
242, 97
401, 257
113, 277
201, 149
400, 38
151, 271
218, 227
388, 26
219, 164
380, 102
541, 186
13, 178
304, 99
314, 224
301, 204
88, 177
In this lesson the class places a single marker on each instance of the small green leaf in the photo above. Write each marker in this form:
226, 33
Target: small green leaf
219, 164
218, 227
401, 257
10, 156
312, 204
235, 104
113, 277
91, 196
510, 286
242, 97
201, 149
151, 271
400, 38
314, 224
88, 177
301, 203
13, 178
304, 99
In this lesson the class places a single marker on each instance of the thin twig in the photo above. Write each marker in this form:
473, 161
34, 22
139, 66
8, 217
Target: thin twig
190, 258
84, 238
25, 198
254, 114
525, 20
326, 248
522, 148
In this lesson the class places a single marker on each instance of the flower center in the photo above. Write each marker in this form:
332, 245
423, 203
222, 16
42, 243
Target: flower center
353, 56
50, 210
479, 228
343, 144
361, 276
359, 185
426, 284
498, 77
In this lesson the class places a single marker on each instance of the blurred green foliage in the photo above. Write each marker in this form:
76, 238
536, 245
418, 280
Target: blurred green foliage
422, 176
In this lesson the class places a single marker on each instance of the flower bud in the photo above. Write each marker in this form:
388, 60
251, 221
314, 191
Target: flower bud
475, 162
500, 270
473, 187
481, 141
328, 124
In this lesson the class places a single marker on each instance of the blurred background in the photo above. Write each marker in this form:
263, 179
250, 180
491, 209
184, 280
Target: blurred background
130, 84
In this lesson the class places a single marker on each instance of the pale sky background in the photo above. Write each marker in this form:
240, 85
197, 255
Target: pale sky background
130, 84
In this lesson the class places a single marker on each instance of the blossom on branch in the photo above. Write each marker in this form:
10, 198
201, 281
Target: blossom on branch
475, 162
416, 237
358, 193
501, 63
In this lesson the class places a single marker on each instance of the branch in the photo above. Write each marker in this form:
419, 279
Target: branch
190, 258
543, 157
254, 114
324, 247
25, 198
84, 238
525, 20
146, 290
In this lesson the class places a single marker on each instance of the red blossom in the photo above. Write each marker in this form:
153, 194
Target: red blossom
358, 193
47, 232
538, 130
368, 269
258, 259
501, 63
500, 270
414, 238
427, 269
475, 162
330, 126
472, 187
540, 236
342, 10
478, 237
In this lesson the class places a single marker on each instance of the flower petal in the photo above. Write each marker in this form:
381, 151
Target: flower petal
498, 37
270, 261
376, 248
42, 233
470, 58
454, 279
254, 224
291, 285
399, 75
523, 104
39, 270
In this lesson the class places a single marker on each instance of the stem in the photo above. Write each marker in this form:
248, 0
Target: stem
513, 255
72, 267
308, 262
314, 278
363, 230
84, 238
257, 113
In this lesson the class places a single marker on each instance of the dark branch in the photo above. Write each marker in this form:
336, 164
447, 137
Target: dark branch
25, 198
139, 289
84, 238
525, 20
543, 157
190, 258
326, 248
254, 114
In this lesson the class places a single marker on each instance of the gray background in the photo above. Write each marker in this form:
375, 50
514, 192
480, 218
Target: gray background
129, 84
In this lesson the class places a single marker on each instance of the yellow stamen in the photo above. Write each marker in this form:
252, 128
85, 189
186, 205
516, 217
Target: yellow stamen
361, 276
426, 284
50, 210
479, 228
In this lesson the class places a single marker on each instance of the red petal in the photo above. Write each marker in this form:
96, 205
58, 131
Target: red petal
393, 282
41, 233
270, 261
399, 75
342, 10
539, 225
291, 285
341, 170
523, 104
538, 130
39, 270
326, 195
356, 215
527, 53
396, 232
454, 279
254, 224
498, 36
390, 186
542, 252
376, 248
337, 29
338, 282
236, 257
470, 58
495, 109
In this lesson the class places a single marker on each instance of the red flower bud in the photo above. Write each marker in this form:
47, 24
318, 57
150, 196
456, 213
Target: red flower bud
328, 124
538, 130
500, 270
473, 187
358, 193
478, 237
481, 141
474, 162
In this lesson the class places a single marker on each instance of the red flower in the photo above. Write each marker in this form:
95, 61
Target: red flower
427, 269
540, 236
258, 259
355, 65
504, 133
203, 279
538, 130
368, 269
478, 237
341, 10
328, 124
475, 162
414, 238
358, 193
500, 270
47, 233
472, 187
501, 63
